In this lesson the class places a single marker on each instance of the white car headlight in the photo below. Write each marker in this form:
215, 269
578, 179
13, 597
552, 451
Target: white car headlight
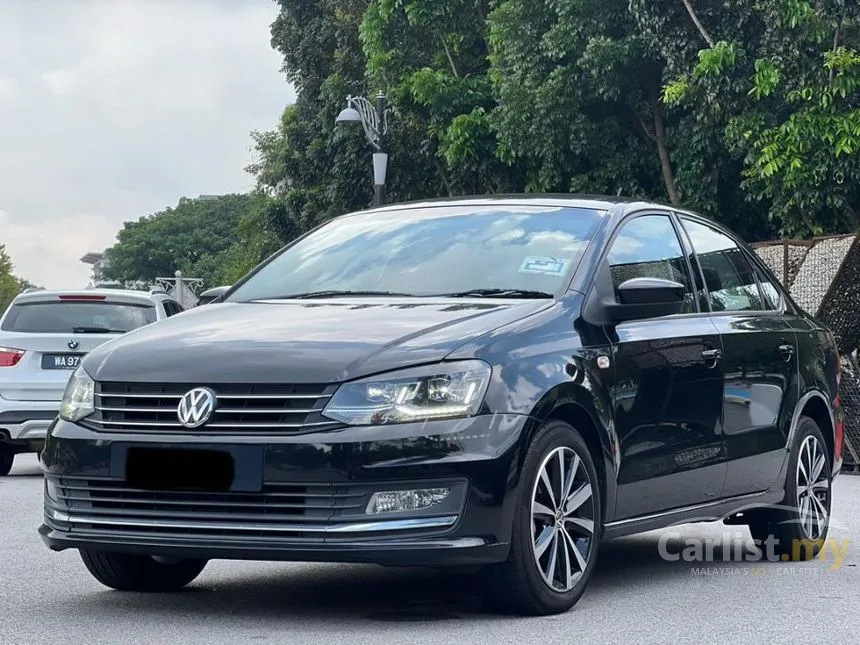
440, 391
78, 397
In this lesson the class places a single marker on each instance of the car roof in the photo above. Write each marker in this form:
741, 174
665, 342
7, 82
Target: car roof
612, 205
110, 295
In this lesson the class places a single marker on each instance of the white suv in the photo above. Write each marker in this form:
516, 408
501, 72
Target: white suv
43, 335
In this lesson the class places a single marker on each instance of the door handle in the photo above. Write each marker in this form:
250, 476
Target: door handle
712, 355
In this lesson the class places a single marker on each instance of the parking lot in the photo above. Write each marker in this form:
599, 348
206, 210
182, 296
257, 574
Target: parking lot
635, 597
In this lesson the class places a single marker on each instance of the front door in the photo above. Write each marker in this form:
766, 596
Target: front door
760, 360
668, 387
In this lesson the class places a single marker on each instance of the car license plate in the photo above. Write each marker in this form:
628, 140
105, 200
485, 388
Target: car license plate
60, 361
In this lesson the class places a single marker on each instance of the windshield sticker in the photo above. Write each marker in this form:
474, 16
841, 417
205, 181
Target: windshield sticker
545, 265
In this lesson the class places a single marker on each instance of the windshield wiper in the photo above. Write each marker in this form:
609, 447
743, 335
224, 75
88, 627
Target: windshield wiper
335, 293
96, 330
496, 293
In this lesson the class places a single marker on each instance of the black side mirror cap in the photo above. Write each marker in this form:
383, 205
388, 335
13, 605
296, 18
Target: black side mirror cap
646, 298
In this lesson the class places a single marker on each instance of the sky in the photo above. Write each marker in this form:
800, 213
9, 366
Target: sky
114, 109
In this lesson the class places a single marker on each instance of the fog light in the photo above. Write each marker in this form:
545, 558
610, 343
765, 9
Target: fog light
397, 501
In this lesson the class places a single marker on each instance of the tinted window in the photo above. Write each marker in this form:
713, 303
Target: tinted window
728, 274
426, 251
772, 297
171, 308
648, 247
65, 317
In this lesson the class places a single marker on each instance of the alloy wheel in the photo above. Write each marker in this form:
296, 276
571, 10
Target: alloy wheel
562, 514
813, 488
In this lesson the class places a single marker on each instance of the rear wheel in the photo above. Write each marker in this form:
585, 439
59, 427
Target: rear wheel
128, 572
7, 457
557, 527
797, 528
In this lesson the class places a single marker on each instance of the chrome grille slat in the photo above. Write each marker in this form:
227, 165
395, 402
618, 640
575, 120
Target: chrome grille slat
176, 424
240, 408
201, 498
226, 397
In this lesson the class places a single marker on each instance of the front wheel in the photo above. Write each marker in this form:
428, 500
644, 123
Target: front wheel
7, 457
557, 527
797, 529
128, 572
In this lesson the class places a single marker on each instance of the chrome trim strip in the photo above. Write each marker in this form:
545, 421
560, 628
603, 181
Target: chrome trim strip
267, 410
684, 509
169, 410
238, 425
357, 527
130, 395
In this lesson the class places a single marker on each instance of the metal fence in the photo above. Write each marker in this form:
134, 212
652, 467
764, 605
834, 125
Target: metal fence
823, 276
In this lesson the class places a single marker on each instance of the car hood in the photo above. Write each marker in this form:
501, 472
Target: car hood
299, 341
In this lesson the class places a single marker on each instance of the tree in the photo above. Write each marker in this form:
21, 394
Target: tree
311, 170
211, 239
10, 284
778, 83
432, 59
578, 99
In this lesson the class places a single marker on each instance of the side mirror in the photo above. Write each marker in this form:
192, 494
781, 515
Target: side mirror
647, 298
213, 295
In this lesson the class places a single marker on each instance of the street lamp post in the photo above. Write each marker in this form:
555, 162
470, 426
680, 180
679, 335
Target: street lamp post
373, 117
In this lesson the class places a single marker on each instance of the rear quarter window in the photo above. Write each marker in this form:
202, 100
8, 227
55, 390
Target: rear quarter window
72, 317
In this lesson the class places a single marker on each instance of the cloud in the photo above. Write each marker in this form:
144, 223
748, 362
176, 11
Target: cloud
110, 110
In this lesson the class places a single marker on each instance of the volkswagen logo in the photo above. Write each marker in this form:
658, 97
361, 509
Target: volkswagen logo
196, 407
73, 344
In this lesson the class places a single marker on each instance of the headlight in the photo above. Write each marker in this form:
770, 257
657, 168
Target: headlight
78, 397
441, 391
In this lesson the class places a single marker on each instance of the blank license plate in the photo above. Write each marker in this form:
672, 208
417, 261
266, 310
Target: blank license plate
61, 361
180, 469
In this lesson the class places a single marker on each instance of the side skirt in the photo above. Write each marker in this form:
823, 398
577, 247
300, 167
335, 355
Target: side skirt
710, 512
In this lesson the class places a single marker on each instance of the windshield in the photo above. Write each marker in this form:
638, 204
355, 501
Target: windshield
432, 251
77, 317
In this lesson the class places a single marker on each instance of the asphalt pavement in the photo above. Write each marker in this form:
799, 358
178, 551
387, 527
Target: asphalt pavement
635, 597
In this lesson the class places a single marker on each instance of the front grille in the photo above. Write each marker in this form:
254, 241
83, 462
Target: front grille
280, 511
253, 409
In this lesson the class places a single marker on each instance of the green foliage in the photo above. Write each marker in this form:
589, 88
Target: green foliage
10, 284
217, 240
784, 93
745, 111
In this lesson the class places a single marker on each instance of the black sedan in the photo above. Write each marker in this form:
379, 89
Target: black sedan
502, 382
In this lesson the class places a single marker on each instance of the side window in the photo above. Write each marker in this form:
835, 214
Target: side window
728, 274
648, 247
772, 297
171, 308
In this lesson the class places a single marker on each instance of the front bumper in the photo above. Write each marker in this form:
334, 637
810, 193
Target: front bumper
23, 421
299, 498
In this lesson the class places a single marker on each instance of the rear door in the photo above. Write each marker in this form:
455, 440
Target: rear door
759, 358
46, 335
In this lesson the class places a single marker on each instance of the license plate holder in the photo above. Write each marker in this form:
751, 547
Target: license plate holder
213, 469
61, 361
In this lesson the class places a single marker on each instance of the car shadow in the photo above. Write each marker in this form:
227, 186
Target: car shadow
373, 593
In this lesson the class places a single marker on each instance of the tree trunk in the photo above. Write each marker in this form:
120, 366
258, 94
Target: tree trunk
665, 158
698, 23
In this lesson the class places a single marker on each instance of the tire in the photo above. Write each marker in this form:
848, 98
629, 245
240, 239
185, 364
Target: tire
797, 529
127, 572
522, 584
7, 458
